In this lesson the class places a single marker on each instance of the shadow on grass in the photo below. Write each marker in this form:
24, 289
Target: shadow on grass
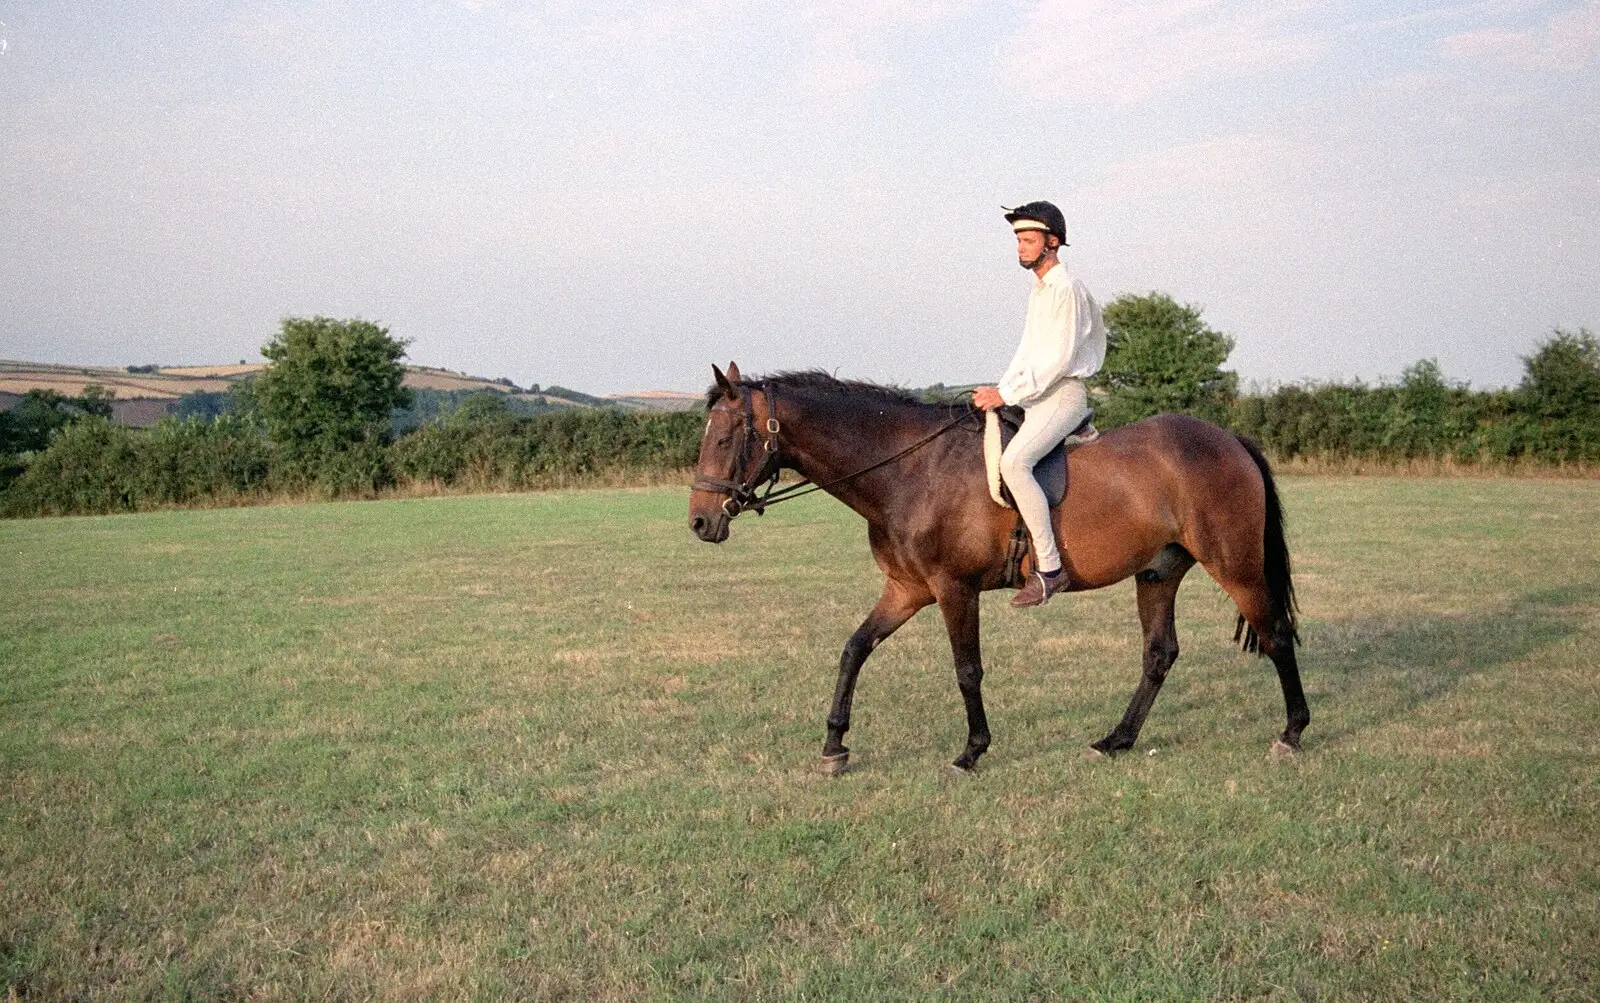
1366, 673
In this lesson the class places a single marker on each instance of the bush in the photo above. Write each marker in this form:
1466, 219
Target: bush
187, 461
1553, 417
489, 446
93, 466
1560, 396
87, 467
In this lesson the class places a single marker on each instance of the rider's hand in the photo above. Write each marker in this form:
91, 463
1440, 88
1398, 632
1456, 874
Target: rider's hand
988, 398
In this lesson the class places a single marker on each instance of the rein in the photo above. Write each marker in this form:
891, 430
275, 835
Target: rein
743, 495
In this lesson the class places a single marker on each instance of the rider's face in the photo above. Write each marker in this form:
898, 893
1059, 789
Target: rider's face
1031, 246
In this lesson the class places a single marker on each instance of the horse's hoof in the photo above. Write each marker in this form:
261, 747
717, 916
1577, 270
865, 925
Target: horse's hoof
965, 771
1091, 753
1282, 750
835, 764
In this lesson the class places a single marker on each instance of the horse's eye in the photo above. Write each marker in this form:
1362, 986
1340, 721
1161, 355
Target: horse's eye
725, 440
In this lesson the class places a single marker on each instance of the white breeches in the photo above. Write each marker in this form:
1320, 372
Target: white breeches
1048, 420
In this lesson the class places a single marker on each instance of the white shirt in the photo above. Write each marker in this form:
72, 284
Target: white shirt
1062, 338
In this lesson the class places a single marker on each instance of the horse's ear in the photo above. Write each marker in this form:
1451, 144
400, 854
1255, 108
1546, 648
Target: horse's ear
725, 384
733, 372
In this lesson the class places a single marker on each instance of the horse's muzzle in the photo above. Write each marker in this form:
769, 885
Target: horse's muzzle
711, 529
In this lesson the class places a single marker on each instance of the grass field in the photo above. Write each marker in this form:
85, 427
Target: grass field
549, 746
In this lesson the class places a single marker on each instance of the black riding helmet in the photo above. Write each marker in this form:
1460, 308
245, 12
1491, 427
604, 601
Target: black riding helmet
1045, 215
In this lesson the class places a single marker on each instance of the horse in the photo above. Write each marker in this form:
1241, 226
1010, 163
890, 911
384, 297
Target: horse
1148, 500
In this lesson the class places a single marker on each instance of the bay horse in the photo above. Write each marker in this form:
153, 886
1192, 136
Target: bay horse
1150, 499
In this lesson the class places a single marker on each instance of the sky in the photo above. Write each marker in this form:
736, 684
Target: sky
613, 196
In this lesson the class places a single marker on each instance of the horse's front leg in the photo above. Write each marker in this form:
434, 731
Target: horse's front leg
959, 604
898, 604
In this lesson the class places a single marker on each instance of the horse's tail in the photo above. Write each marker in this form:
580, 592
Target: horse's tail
1275, 557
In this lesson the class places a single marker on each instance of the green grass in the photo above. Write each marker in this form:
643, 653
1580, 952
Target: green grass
550, 746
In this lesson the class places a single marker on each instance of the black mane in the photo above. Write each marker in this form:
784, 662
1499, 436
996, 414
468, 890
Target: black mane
816, 383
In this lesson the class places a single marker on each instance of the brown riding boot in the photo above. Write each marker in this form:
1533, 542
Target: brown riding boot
1038, 589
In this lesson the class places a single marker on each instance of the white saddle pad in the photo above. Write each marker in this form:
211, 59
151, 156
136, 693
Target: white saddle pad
992, 450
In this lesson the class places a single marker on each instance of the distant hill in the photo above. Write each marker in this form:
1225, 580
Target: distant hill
569, 396
658, 400
146, 394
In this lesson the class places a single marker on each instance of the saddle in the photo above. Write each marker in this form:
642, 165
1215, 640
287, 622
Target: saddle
1051, 472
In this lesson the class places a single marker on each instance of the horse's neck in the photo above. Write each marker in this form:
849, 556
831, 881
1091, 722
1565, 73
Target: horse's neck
828, 443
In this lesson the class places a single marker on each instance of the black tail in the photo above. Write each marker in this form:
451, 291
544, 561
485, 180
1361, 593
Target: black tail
1275, 552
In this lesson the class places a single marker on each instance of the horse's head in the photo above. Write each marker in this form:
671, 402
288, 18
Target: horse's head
734, 459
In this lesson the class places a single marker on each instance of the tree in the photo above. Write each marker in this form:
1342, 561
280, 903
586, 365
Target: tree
1560, 394
1428, 414
485, 407
206, 405
1160, 356
27, 426
95, 401
327, 397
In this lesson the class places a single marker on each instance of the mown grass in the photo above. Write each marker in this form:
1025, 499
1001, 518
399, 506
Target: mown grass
549, 746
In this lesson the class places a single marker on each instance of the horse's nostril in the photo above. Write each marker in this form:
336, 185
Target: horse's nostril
698, 524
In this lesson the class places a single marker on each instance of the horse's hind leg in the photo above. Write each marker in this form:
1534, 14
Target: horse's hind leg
1294, 698
1275, 638
1157, 595
898, 604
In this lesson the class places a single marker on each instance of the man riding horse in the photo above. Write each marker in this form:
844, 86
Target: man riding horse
1063, 344
1147, 501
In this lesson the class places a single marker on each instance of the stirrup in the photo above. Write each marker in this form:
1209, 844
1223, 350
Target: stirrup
1037, 590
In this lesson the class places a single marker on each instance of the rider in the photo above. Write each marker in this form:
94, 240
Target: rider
1063, 343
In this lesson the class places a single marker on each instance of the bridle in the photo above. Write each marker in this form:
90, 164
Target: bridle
760, 491
742, 492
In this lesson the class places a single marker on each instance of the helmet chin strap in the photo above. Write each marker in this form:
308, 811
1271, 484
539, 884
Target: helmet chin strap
1036, 262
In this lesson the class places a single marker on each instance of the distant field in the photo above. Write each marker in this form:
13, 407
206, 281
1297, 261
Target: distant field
144, 398
243, 369
549, 746
126, 387
172, 382
162, 384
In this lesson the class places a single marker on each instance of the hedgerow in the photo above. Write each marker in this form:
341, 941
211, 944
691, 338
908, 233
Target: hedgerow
62, 456
499, 449
1552, 418
94, 466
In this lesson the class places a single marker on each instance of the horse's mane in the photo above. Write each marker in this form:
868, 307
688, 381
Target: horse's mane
817, 383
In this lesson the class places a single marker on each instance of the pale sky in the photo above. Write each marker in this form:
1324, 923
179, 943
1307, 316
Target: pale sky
613, 196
